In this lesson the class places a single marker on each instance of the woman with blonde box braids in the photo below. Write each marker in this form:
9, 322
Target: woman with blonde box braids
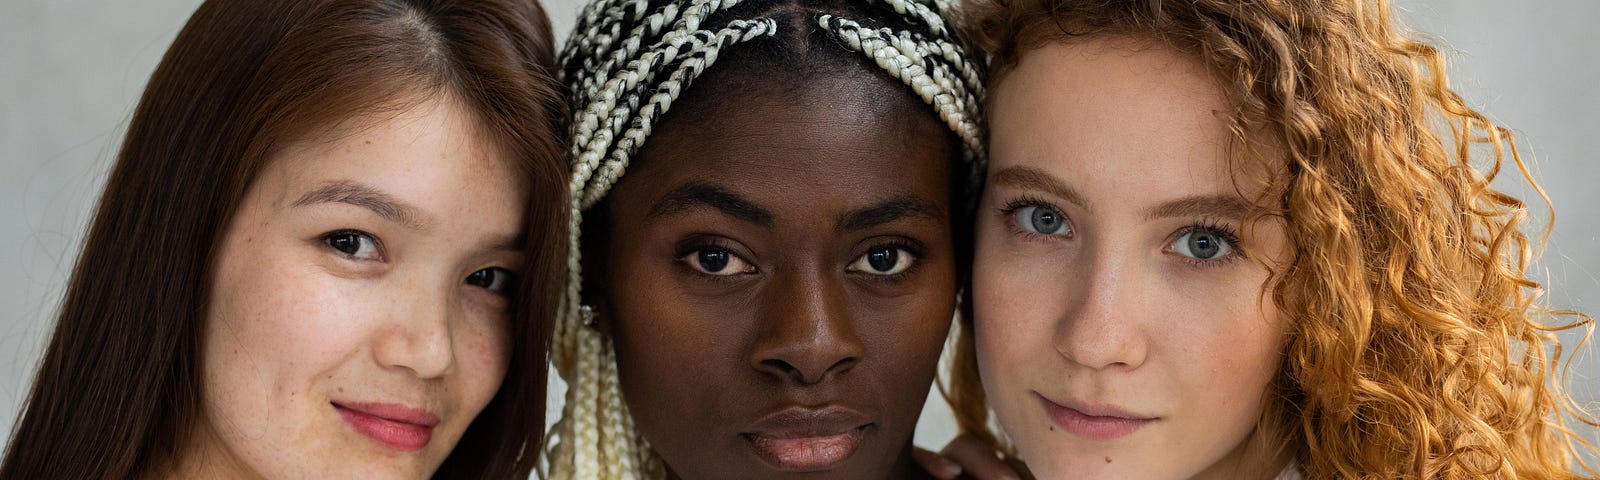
1225, 239
769, 287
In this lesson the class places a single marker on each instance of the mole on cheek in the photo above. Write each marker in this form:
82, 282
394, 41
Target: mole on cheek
1108, 459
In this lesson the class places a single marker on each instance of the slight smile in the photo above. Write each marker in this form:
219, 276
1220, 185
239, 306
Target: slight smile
397, 426
1094, 422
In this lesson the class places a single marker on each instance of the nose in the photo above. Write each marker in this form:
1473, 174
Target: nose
1103, 325
806, 331
417, 337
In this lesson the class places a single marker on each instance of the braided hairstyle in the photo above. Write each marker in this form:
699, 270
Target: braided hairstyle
625, 64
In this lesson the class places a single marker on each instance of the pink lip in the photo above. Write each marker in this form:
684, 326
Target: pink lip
1094, 422
801, 439
398, 426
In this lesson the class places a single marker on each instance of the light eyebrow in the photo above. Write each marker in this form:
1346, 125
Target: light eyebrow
1029, 178
887, 211
1220, 205
368, 197
700, 195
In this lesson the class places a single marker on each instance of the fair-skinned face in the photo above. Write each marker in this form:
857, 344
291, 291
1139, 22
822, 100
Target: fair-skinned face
358, 313
1122, 326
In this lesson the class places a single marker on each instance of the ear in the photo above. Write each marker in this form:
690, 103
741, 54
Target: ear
596, 290
597, 296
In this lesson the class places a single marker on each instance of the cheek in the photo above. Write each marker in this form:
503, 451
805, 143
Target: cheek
1224, 353
275, 328
484, 350
660, 332
1013, 305
271, 319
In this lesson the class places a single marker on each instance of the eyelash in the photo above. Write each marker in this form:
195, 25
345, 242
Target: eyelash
377, 245
1228, 234
913, 248
707, 242
1009, 210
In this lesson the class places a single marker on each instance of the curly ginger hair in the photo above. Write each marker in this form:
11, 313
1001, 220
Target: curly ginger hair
1415, 347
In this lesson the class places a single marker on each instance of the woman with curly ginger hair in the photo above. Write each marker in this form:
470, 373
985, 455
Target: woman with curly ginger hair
1225, 239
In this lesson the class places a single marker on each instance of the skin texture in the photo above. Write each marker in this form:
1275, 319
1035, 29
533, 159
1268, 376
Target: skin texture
1111, 313
416, 317
838, 170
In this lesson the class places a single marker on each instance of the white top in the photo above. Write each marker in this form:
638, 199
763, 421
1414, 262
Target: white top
1290, 472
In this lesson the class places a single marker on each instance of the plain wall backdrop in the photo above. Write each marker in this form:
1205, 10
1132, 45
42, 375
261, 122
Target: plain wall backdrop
71, 72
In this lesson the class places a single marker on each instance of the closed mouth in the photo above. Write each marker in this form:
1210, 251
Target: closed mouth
806, 440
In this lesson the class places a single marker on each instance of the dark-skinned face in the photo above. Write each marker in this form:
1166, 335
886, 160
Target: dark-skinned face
781, 279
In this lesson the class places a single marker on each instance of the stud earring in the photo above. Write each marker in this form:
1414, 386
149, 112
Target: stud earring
587, 316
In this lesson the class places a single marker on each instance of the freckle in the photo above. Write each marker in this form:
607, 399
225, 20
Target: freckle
1108, 459
368, 142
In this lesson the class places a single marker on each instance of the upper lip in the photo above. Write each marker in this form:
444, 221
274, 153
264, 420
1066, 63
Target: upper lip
803, 422
393, 412
1098, 409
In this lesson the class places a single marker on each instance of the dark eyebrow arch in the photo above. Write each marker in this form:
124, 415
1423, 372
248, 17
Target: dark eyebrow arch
1228, 206
887, 211
1030, 178
699, 195
364, 196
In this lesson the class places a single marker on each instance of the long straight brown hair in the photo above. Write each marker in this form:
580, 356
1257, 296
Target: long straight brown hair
118, 390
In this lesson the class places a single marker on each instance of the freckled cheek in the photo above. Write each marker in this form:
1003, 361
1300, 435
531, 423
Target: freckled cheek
1223, 354
484, 350
277, 329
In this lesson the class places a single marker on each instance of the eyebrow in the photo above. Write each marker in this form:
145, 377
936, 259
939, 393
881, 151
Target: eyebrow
1219, 205
704, 195
365, 196
888, 211
1030, 178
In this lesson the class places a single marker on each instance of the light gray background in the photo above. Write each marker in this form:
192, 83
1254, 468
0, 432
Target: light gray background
72, 70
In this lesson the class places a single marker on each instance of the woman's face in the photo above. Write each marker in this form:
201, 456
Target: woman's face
358, 316
781, 280
1122, 331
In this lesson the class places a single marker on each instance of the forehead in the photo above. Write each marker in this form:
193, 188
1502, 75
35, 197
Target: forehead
1121, 115
432, 153
830, 136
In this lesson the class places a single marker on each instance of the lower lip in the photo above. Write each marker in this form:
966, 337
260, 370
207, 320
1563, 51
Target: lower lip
1090, 426
802, 454
396, 435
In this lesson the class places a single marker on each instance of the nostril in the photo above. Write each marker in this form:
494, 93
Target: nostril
806, 376
782, 369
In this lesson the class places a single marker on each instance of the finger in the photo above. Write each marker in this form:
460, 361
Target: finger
978, 459
936, 464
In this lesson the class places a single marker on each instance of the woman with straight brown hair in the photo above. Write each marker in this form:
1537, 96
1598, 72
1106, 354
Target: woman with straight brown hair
306, 260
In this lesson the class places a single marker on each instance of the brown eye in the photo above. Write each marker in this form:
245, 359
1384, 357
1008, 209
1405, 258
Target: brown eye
883, 261
717, 261
495, 279
354, 244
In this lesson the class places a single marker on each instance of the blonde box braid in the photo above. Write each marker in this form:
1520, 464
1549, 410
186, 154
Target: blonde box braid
625, 64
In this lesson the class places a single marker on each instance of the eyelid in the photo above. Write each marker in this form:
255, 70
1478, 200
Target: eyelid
1008, 213
1227, 232
915, 250
380, 251
699, 242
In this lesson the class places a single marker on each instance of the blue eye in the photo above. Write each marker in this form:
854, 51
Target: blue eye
354, 244
1041, 219
495, 279
717, 261
1203, 244
883, 261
